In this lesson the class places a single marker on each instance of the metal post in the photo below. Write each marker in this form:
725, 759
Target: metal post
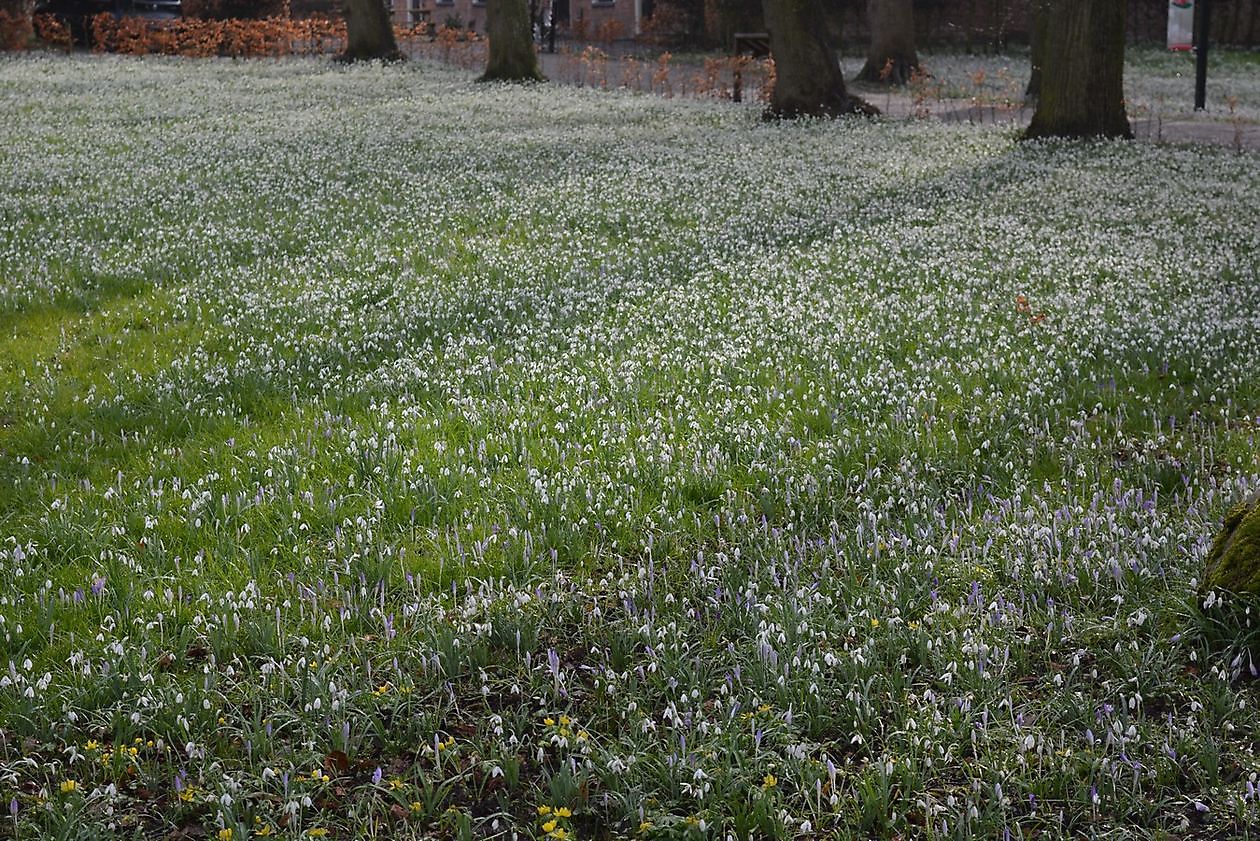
1201, 41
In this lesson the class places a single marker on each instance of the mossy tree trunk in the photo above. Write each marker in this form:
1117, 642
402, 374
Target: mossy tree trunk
1082, 73
892, 58
1037, 39
1233, 562
369, 32
511, 56
807, 79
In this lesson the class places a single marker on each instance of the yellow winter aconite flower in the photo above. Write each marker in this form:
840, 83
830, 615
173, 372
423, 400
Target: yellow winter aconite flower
874, 622
416, 807
565, 720
225, 834
317, 832
549, 825
563, 812
395, 784
559, 833
544, 810
549, 721
769, 781
264, 831
68, 786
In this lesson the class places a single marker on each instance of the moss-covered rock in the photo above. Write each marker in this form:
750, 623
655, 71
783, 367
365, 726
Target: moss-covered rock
1233, 563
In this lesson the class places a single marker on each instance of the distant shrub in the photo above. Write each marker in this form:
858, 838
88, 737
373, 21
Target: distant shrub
669, 26
15, 31
52, 31
609, 31
204, 38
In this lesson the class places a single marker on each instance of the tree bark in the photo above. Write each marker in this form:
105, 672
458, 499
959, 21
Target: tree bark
807, 75
369, 32
1082, 74
511, 56
1037, 39
892, 57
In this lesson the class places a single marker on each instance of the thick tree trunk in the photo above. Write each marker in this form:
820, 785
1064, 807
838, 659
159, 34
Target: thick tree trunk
892, 57
1040, 27
369, 32
807, 80
1082, 73
511, 56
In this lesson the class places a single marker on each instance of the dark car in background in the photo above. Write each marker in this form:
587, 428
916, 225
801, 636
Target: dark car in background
78, 14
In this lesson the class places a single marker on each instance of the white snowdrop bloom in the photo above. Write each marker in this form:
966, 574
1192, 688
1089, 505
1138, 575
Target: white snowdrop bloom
780, 459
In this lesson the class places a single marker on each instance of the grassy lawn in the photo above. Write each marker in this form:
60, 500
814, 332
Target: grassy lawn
382, 455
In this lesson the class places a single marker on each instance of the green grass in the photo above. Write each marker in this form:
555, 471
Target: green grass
402, 457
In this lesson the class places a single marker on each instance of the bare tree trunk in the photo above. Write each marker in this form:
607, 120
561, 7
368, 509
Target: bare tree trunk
511, 56
369, 32
1037, 42
807, 75
1082, 75
892, 57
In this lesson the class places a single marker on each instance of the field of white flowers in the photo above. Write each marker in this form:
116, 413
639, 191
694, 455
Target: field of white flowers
1158, 84
384, 455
